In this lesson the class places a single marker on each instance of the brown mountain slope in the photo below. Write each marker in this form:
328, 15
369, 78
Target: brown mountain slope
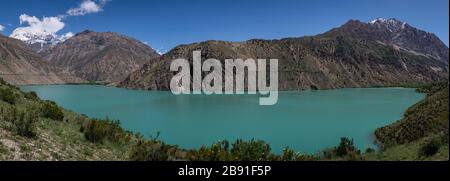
335, 59
95, 56
20, 65
394, 32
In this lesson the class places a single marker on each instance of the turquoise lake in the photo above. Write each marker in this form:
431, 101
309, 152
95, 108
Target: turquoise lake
306, 121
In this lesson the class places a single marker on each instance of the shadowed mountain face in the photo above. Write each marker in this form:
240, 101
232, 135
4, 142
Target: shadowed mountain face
94, 56
19, 64
354, 55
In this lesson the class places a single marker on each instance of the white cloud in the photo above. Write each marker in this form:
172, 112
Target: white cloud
2, 28
66, 36
38, 30
87, 7
35, 30
46, 25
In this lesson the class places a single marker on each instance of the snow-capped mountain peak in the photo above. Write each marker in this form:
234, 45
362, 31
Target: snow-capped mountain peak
377, 20
39, 40
392, 24
31, 37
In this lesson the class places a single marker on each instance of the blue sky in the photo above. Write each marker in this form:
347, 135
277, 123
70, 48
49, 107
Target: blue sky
163, 24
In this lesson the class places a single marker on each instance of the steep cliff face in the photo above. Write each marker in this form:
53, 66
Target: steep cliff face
95, 56
21, 65
354, 55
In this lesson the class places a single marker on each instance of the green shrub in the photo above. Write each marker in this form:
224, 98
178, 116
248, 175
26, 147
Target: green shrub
52, 111
345, 150
240, 150
21, 122
3, 82
291, 155
370, 150
8, 96
94, 131
97, 131
25, 125
288, 155
216, 152
254, 150
150, 151
430, 147
346, 147
328, 153
31, 95
9, 114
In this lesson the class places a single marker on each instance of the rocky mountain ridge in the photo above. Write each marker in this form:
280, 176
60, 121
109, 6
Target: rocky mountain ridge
99, 56
357, 54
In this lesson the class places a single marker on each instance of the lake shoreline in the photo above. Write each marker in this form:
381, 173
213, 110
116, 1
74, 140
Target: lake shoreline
116, 84
313, 93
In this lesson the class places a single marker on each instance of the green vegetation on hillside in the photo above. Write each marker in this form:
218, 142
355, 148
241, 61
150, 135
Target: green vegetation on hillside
423, 131
427, 118
34, 129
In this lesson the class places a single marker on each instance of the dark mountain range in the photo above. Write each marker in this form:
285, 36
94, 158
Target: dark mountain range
95, 56
357, 54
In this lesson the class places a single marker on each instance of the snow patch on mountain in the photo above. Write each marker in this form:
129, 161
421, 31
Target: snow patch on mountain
31, 37
39, 41
40, 33
391, 24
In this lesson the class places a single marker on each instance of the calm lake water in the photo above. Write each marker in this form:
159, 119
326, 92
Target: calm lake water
306, 121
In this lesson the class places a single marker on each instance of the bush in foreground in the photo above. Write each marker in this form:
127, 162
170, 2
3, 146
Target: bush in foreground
21, 122
31, 95
253, 150
52, 111
7, 95
345, 150
96, 130
150, 151
346, 147
430, 147
25, 125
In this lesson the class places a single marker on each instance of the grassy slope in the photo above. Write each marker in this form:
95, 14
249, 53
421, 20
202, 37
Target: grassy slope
55, 140
407, 152
63, 140
423, 121
428, 117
